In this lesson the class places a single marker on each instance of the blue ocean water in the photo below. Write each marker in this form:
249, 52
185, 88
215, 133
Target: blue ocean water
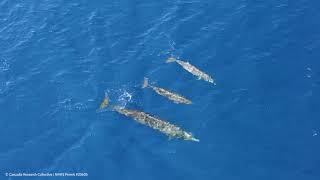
261, 121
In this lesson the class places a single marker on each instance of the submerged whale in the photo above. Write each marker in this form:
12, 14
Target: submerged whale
176, 98
192, 69
167, 128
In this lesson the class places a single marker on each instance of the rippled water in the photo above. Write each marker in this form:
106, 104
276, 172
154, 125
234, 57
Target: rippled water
59, 58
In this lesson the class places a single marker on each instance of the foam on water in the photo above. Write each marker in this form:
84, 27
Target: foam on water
119, 97
4, 65
125, 97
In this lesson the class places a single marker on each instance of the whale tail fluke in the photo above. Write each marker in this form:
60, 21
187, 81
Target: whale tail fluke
105, 102
145, 82
171, 59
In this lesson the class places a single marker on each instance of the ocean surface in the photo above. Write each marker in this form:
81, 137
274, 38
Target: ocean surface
261, 121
